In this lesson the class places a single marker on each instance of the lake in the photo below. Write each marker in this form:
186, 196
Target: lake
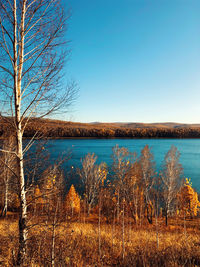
189, 152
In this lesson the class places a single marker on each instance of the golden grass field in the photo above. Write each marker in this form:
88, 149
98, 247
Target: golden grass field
80, 244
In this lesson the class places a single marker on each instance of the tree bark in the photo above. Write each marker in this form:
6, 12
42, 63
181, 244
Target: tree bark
166, 218
89, 209
5, 206
53, 245
23, 207
21, 259
99, 229
123, 228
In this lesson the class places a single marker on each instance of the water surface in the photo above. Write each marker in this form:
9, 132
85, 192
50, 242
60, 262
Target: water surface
188, 148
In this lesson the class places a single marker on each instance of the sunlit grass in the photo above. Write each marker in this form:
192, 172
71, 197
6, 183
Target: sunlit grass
77, 244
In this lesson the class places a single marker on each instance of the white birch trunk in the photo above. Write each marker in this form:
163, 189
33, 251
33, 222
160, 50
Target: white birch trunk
53, 246
54, 237
17, 92
27, 36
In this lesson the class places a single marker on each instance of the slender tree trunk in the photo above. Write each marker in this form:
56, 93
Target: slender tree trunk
84, 212
23, 206
53, 246
99, 228
54, 237
185, 232
166, 217
157, 233
141, 214
89, 208
113, 229
118, 206
17, 92
6, 174
123, 228
149, 213
167, 212
5, 206
148, 208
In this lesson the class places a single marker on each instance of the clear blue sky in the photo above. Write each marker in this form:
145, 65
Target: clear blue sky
135, 60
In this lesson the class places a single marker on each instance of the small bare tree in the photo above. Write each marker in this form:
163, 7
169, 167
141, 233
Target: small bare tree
8, 177
32, 56
120, 167
92, 176
171, 178
134, 189
148, 171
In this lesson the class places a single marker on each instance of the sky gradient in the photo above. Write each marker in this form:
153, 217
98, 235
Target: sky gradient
135, 60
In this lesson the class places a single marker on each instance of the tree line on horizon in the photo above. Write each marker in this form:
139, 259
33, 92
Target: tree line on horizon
54, 129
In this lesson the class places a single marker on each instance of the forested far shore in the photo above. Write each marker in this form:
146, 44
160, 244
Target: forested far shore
62, 129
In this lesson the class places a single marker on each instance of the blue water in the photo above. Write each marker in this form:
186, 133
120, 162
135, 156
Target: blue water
189, 152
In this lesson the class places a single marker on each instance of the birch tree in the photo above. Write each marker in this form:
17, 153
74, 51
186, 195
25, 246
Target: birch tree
148, 171
92, 176
120, 167
171, 177
134, 189
32, 55
8, 180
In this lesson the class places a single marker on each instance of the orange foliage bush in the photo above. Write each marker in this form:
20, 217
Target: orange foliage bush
72, 201
188, 200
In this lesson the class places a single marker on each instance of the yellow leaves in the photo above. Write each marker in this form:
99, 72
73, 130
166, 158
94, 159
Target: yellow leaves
54, 179
38, 196
67, 260
188, 199
188, 182
51, 181
72, 201
103, 172
37, 191
114, 199
36, 199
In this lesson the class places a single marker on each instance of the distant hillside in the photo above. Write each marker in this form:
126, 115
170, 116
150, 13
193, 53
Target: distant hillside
146, 125
62, 129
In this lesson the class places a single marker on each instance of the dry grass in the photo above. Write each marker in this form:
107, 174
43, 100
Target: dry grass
77, 244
